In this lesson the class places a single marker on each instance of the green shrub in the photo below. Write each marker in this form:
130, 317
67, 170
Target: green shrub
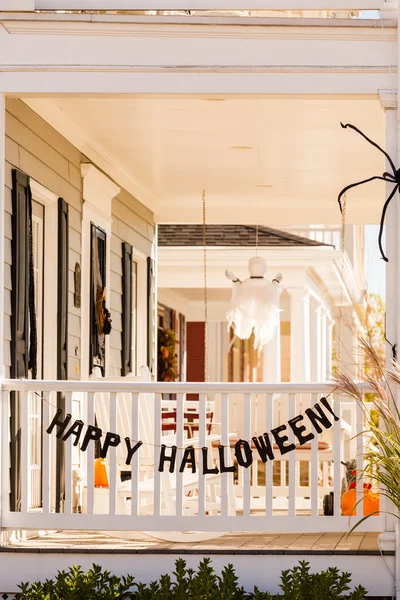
186, 584
77, 585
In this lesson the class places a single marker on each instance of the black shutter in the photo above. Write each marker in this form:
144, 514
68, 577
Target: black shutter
62, 337
126, 309
21, 201
62, 286
150, 313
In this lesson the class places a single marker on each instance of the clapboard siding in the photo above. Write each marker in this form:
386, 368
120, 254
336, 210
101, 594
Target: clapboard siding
38, 150
43, 131
132, 223
12, 151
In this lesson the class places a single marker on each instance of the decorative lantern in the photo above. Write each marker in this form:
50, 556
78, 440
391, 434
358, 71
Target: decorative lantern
255, 304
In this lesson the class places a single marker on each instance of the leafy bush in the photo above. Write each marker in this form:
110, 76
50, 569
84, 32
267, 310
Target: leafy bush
186, 584
77, 585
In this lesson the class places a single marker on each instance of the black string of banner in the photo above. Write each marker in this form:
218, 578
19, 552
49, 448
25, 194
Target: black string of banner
318, 416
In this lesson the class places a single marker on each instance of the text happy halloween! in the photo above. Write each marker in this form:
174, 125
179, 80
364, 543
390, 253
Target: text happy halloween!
318, 416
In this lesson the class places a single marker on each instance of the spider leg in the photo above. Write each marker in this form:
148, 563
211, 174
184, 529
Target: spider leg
373, 144
348, 187
389, 176
385, 207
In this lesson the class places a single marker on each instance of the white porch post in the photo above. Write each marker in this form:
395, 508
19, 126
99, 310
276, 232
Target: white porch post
316, 340
389, 104
272, 360
2, 215
324, 345
299, 335
2, 258
329, 347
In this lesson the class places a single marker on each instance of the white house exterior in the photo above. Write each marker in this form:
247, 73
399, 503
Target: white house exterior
112, 123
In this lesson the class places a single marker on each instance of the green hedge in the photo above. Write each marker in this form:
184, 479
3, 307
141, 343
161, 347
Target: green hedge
187, 584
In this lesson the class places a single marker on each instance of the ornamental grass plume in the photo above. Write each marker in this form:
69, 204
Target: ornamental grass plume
381, 453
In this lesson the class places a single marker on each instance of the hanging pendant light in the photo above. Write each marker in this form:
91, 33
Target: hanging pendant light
255, 304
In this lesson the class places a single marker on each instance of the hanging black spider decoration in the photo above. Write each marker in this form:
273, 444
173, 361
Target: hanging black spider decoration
388, 177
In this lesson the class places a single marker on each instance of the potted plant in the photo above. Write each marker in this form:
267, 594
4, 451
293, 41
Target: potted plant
381, 456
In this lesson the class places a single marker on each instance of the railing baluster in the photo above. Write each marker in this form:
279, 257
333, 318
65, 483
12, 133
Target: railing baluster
202, 444
5, 451
113, 455
225, 443
180, 403
247, 472
314, 492
359, 461
68, 460
46, 454
90, 457
157, 443
337, 457
25, 438
135, 458
292, 459
269, 404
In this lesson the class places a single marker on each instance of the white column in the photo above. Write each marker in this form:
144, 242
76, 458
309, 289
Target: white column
329, 347
388, 101
316, 340
299, 335
271, 357
324, 344
2, 216
389, 105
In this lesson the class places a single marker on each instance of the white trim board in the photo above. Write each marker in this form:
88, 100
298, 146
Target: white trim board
50, 202
98, 192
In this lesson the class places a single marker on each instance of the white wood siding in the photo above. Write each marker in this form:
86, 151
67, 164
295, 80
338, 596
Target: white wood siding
35, 148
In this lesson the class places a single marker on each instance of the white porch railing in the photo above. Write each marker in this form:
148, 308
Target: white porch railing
281, 495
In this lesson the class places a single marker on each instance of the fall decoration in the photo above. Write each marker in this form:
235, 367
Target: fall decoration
167, 357
381, 456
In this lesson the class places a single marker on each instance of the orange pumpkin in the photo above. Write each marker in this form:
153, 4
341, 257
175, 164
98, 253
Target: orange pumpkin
100, 473
370, 504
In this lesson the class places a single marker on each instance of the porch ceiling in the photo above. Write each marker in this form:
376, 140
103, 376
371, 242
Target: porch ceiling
276, 160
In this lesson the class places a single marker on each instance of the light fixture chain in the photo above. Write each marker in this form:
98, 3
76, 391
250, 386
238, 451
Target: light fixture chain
205, 291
